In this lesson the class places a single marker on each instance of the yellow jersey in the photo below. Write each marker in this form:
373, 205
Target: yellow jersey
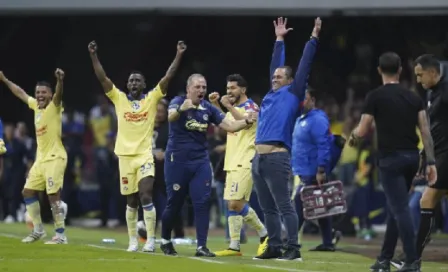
240, 147
135, 121
48, 124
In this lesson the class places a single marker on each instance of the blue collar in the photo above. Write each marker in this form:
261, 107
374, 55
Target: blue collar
131, 98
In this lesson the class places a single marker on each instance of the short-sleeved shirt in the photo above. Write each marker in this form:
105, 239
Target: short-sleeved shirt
395, 110
48, 124
135, 121
187, 139
240, 147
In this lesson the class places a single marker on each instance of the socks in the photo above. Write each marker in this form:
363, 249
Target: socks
424, 233
235, 226
149, 214
33, 208
131, 221
58, 218
250, 217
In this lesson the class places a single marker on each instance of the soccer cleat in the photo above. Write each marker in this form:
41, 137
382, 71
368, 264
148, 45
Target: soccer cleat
324, 248
398, 262
380, 266
269, 253
149, 247
263, 245
228, 252
168, 249
204, 252
133, 245
57, 240
33, 237
292, 254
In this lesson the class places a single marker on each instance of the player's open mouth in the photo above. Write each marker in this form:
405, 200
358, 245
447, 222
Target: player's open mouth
201, 96
40, 99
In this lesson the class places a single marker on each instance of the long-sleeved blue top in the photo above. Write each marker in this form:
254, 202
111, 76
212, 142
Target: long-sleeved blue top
280, 108
312, 144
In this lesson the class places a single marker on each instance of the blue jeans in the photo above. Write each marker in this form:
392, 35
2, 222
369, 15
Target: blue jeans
271, 174
397, 171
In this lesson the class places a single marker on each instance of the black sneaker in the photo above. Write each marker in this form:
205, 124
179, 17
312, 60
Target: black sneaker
411, 267
168, 249
204, 252
269, 253
380, 266
292, 254
398, 261
324, 248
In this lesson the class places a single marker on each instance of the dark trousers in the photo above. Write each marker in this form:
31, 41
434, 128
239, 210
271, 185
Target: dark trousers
271, 174
397, 171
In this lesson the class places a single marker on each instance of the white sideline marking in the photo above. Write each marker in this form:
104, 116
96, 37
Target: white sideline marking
284, 269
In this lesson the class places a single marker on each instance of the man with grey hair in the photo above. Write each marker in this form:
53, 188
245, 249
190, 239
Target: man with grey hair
187, 163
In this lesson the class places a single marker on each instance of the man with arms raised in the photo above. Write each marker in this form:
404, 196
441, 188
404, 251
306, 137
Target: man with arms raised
187, 163
47, 172
240, 149
271, 166
136, 113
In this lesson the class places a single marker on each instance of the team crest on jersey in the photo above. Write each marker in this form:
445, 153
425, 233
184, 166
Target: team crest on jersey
205, 117
176, 187
135, 105
303, 123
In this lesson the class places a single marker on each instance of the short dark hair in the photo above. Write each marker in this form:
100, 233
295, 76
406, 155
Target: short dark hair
44, 84
133, 72
428, 61
288, 71
390, 63
313, 93
239, 79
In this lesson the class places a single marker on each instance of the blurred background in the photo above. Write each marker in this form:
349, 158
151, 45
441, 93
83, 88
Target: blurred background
223, 38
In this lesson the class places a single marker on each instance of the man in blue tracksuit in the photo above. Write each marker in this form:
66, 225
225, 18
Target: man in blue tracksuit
315, 152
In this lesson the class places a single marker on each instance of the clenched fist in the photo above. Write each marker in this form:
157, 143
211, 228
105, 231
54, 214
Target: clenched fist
93, 47
59, 74
188, 104
213, 97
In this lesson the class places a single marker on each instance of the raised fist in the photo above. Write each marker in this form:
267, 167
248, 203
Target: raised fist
225, 101
181, 47
213, 97
93, 47
59, 74
188, 104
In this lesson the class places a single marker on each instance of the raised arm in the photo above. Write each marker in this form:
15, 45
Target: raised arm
278, 55
57, 97
298, 86
16, 90
98, 68
163, 83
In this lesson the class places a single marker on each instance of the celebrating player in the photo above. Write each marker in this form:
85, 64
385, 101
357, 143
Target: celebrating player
47, 172
187, 164
136, 113
240, 149
271, 166
2, 143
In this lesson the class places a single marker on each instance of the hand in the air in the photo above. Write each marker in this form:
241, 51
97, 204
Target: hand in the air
188, 104
181, 47
59, 74
280, 27
93, 47
225, 101
317, 27
214, 97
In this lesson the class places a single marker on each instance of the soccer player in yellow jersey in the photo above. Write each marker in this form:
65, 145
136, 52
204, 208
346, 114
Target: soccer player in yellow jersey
240, 149
136, 113
47, 172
